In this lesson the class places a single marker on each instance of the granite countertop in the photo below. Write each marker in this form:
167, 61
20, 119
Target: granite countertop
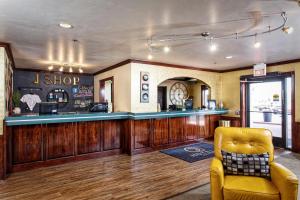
87, 116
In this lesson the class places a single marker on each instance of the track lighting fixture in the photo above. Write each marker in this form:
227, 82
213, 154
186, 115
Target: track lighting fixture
212, 46
158, 40
288, 29
256, 43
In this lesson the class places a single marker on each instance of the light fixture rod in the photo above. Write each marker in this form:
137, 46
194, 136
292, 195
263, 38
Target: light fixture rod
196, 36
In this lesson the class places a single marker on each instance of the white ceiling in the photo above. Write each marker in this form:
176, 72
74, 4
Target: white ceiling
110, 31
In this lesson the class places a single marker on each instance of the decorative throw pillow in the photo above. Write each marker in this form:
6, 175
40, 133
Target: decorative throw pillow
246, 164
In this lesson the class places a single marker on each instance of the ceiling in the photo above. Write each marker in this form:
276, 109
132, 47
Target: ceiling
112, 31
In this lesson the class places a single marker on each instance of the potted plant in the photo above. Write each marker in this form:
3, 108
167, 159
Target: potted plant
16, 98
267, 114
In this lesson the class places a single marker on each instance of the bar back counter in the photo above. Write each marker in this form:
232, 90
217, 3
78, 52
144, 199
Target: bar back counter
36, 141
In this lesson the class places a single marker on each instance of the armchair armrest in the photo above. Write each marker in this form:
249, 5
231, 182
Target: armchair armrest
285, 180
216, 179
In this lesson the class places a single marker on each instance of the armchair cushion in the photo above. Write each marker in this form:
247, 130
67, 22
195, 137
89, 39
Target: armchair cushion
246, 164
250, 188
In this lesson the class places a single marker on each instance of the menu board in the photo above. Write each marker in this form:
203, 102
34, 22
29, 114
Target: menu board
83, 91
83, 95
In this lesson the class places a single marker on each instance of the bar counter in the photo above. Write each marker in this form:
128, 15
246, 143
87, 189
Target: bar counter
80, 117
36, 141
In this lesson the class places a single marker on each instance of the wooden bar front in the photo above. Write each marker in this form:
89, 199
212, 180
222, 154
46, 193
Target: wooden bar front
32, 146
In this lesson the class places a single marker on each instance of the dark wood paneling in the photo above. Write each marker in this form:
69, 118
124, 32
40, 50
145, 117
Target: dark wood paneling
213, 124
142, 132
60, 140
127, 137
234, 121
160, 132
27, 143
204, 126
2, 159
192, 127
177, 129
111, 134
89, 137
3, 152
59, 143
296, 138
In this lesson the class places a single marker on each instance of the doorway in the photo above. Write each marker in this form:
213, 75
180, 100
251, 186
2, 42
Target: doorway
269, 105
106, 91
162, 97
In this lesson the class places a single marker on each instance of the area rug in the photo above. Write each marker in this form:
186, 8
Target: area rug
192, 153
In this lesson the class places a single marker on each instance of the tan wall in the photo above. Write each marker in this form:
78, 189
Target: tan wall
224, 87
2, 87
122, 91
196, 93
231, 86
193, 87
158, 74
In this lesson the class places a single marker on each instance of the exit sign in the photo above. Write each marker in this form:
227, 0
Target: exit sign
260, 69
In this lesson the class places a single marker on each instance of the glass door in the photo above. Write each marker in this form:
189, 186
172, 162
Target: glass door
266, 108
289, 113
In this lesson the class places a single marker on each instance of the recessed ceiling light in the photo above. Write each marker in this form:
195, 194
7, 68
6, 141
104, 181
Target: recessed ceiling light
80, 70
65, 25
150, 57
61, 69
228, 57
50, 67
70, 70
166, 49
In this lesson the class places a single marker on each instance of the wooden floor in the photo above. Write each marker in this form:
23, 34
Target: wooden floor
145, 176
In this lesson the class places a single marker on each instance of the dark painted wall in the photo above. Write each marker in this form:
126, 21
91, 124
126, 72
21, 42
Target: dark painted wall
24, 82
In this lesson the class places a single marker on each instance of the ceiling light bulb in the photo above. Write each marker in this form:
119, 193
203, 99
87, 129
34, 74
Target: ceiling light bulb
65, 25
228, 57
288, 29
50, 67
150, 57
70, 70
166, 49
213, 47
80, 70
257, 44
61, 69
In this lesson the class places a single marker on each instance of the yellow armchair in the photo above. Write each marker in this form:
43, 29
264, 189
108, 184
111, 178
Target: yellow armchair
283, 184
